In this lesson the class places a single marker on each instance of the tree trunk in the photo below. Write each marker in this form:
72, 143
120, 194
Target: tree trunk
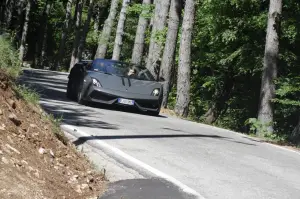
64, 35
42, 36
25, 31
77, 33
21, 4
184, 70
267, 92
85, 31
156, 47
106, 32
170, 47
45, 38
296, 133
120, 31
139, 42
9, 8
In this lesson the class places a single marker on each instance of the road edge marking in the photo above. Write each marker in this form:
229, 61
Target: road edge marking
118, 152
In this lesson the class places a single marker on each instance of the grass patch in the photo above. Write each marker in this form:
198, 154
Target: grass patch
56, 121
28, 94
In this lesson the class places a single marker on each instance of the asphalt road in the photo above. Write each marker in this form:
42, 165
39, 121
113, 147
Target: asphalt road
215, 163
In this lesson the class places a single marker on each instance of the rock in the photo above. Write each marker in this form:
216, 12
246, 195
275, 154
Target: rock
1, 112
24, 162
33, 125
2, 127
73, 179
14, 119
12, 148
84, 186
78, 189
1, 152
12, 103
36, 174
51, 153
42, 150
4, 160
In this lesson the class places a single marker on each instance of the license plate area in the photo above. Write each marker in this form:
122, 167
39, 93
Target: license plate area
126, 101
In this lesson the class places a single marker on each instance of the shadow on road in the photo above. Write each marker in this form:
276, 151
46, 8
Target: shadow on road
82, 140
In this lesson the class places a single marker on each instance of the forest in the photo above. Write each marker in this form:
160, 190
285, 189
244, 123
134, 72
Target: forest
229, 63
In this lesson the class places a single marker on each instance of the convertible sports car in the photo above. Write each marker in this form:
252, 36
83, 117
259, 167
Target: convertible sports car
115, 83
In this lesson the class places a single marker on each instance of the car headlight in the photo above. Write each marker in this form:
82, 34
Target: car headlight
156, 92
96, 83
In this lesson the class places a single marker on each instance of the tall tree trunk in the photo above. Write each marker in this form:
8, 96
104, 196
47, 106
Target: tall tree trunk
184, 68
120, 31
64, 35
106, 32
85, 31
156, 47
9, 8
45, 37
25, 31
21, 4
296, 133
139, 41
77, 33
42, 34
170, 47
267, 91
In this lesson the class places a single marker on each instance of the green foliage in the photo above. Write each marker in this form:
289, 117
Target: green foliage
9, 57
141, 9
258, 126
28, 94
56, 122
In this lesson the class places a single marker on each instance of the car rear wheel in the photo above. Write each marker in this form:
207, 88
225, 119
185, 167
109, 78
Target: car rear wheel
80, 91
70, 91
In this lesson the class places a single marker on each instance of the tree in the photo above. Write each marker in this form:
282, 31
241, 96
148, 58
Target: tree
77, 33
25, 30
267, 91
139, 42
120, 31
64, 34
184, 68
9, 8
106, 32
156, 45
85, 31
170, 47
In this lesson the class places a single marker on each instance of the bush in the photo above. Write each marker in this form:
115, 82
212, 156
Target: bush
9, 57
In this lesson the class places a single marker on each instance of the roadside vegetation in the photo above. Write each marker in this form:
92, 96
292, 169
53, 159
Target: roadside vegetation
221, 62
36, 159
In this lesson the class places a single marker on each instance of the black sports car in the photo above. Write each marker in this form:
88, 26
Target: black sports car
114, 82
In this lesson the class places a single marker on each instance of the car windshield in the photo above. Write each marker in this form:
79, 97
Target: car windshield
122, 69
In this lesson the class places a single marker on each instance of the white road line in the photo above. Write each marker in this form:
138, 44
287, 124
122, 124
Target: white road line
118, 152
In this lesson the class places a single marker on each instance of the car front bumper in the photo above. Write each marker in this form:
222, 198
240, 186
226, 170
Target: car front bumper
108, 96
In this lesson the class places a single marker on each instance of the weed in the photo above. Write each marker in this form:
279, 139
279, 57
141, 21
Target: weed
9, 58
56, 128
28, 94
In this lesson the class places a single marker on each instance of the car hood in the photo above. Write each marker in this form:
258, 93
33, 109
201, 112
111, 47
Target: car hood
125, 84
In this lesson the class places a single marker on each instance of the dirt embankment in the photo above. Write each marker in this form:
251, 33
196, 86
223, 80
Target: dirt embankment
33, 162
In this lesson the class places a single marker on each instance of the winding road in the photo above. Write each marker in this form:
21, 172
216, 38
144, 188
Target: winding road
198, 160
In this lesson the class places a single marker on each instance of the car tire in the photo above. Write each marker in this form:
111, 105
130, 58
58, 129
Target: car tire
80, 91
70, 93
154, 113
